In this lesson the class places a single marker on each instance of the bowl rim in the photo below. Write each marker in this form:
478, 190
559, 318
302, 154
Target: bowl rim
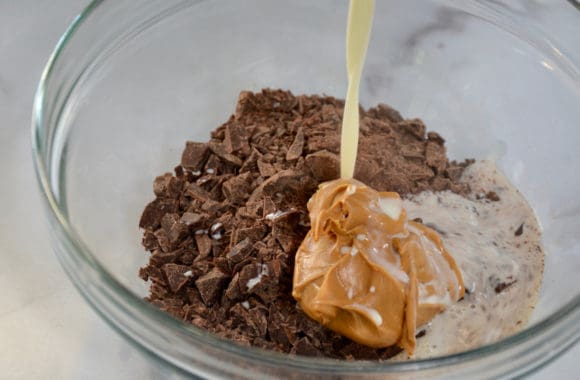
75, 246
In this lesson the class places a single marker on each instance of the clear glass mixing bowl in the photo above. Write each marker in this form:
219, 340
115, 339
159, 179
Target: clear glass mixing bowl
130, 82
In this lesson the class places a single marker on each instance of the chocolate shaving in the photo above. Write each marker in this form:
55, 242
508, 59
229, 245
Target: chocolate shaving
492, 196
503, 286
520, 230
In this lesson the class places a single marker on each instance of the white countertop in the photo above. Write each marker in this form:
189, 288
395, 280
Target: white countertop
46, 330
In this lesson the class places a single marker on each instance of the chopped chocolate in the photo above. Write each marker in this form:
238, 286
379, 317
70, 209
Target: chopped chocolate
295, 150
158, 258
219, 150
492, 196
323, 165
177, 276
421, 334
304, 347
194, 155
266, 169
240, 251
209, 285
500, 287
236, 138
223, 231
151, 217
161, 184
203, 242
520, 230
191, 219
237, 189
196, 192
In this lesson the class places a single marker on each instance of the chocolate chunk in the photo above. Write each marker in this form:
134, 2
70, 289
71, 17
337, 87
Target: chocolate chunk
435, 137
237, 189
257, 321
254, 233
435, 157
266, 289
414, 127
304, 347
210, 285
233, 291
285, 236
163, 240
220, 151
520, 230
500, 287
324, 165
295, 149
266, 169
248, 274
150, 241
161, 184
320, 142
492, 196
177, 276
191, 219
421, 334
204, 244
236, 137
158, 258
240, 251
176, 231
194, 155
367, 169
383, 111
151, 217
250, 165
196, 192
291, 181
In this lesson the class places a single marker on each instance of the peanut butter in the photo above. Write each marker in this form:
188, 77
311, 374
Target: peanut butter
368, 273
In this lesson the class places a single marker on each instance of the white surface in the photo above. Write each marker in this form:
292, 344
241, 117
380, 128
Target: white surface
46, 330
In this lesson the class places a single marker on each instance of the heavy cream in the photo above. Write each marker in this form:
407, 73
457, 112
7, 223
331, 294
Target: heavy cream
497, 245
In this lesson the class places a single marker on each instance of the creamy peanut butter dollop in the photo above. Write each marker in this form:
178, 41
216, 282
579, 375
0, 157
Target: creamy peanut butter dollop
368, 273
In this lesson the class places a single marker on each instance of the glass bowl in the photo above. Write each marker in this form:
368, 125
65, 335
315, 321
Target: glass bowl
130, 82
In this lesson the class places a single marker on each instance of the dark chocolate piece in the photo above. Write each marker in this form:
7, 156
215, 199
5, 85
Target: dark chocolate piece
520, 230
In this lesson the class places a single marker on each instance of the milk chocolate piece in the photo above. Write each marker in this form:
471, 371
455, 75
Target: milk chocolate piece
219, 150
194, 155
240, 251
161, 184
236, 137
237, 189
151, 217
176, 276
158, 258
191, 219
324, 165
209, 285
203, 242
295, 150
